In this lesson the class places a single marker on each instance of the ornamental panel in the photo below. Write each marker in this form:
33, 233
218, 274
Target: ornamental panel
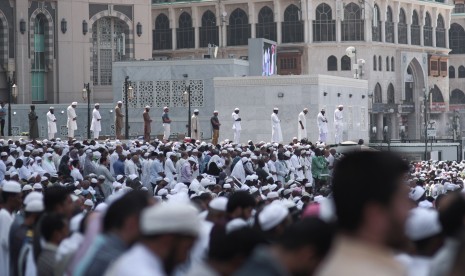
145, 93
162, 91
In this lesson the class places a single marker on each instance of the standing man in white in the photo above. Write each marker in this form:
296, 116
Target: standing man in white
166, 124
338, 124
236, 126
95, 126
276, 134
71, 123
322, 126
51, 123
195, 126
302, 127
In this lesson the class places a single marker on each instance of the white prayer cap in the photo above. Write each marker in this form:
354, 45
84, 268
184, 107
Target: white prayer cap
37, 186
322, 109
219, 204
227, 186
236, 109
94, 181
339, 106
132, 176
33, 196
13, 174
265, 188
77, 192
235, 224
253, 190
275, 109
89, 203
11, 187
272, 215
27, 187
191, 159
206, 182
119, 177
170, 218
162, 192
287, 191
34, 206
74, 103
305, 109
165, 108
273, 187
97, 104
422, 223
52, 107
119, 102
147, 106
416, 193
216, 111
196, 110
287, 154
4, 153
272, 195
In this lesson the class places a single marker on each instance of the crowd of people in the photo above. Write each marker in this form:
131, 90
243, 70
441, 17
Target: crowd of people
196, 208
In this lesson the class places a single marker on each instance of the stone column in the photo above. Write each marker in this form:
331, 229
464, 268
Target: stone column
174, 25
196, 22
278, 19
252, 17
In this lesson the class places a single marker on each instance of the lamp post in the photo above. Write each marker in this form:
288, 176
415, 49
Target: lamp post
425, 103
187, 100
128, 93
86, 96
372, 123
12, 93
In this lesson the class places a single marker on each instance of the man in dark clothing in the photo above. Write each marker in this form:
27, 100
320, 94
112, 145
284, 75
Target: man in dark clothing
216, 127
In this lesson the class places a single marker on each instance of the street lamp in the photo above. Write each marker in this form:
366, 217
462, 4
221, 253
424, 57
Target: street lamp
12, 93
128, 94
426, 99
86, 96
372, 123
187, 100
387, 129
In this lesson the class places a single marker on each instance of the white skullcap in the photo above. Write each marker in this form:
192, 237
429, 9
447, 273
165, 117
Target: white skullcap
305, 109
253, 190
416, 193
147, 106
35, 206
275, 109
272, 195
216, 111
196, 110
322, 109
119, 102
164, 108
4, 153
51, 107
236, 109
227, 186
422, 223
235, 224
272, 215
37, 186
162, 192
89, 203
170, 218
27, 187
74, 103
191, 159
11, 187
119, 177
33, 196
339, 106
218, 204
97, 104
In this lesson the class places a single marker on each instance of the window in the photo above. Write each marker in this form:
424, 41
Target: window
353, 24
208, 31
376, 25
332, 63
459, 8
440, 33
389, 26
378, 94
266, 27
324, 27
436, 95
415, 29
387, 64
461, 72
292, 26
345, 63
402, 28
457, 97
443, 66
374, 63
380, 64
434, 66
162, 34
38, 65
185, 36
288, 63
390, 94
110, 42
392, 64
456, 39
451, 72
428, 31
238, 28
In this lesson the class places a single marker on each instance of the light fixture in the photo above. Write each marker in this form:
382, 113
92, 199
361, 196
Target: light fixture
185, 96
139, 29
14, 91
22, 26
338, 95
325, 93
111, 110
85, 27
84, 94
350, 95
130, 92
280, 95
64, 25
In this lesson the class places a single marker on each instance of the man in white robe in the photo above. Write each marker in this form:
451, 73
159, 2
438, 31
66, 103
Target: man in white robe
322, 126
51, 123
48, 164
236, 125
302, 125
238, 171
338, 124
195, 126
71, 123
95, 126
276, 134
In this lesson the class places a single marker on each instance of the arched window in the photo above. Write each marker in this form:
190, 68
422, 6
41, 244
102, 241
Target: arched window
109, 36
266, 27
38, 65
353, 24
392, 64
208, 32
185, 35
387, 64
457, 97
390, 94
415, 29
345, 63
162, 36
375, 67
456, 39
436, 95
324, 27
461, 72
440, 33
428, 31
451, 72
380, 63
378, 94
332, 63
402, 28
376, 25
238, 28
389, 26
292, 26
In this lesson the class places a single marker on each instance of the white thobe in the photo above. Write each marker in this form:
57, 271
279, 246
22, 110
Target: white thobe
170, 170
140, 257
295, 161
131, 168
322, 127
95, 126
272, 169
49, 167
238, 171
6, 219
195, 128
237, 128
276, 134
301, 133
338, 125
71, 124
113, 158
51, 125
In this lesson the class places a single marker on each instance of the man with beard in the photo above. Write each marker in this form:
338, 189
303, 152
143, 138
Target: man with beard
51, 123
371, 215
